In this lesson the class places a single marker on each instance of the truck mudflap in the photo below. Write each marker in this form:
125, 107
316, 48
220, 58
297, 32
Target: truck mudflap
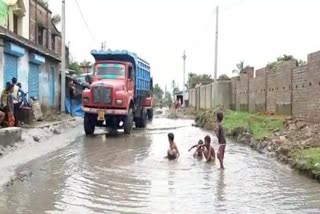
106, 111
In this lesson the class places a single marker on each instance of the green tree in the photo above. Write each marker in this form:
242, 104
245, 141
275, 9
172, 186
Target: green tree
273, 65
157, 93
74, 66
56, 19
86, 63
44, 3
240, 67
168, 99
195, 79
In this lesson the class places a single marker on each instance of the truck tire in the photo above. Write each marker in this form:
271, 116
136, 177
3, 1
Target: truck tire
142, 121
128, 122
150, 114
89, 123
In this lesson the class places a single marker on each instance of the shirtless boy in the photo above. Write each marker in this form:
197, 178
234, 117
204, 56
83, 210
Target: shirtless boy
209, 153
173, 151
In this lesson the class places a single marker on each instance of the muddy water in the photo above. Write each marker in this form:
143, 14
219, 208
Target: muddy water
122, 174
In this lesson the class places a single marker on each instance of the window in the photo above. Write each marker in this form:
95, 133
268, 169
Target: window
15, 24
40, 35
110, 71
53, 42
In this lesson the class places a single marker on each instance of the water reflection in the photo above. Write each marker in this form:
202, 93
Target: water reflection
220, 187
119, 174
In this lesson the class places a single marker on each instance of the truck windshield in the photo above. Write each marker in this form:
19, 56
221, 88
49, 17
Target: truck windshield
110, 71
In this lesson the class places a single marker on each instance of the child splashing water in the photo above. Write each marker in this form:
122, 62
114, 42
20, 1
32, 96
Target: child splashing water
199, 151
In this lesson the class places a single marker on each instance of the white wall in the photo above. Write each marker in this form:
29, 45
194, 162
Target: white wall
23, 71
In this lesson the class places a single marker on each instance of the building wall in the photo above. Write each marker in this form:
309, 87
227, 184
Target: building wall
44, 77
288, 90
40, 16
1, 63
23, 22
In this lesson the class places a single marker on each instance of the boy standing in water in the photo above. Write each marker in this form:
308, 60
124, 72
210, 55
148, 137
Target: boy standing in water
173, 151
221, 139
209, 153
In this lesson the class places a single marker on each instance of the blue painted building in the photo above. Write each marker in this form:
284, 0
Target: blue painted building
35, 67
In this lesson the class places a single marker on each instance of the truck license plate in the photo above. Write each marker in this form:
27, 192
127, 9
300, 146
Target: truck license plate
101, 115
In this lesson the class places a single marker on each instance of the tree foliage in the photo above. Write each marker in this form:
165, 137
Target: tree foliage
74, 66
86, 63
157, 93
56, 19
195, 79
272, 66
168, 99
44, 3
240, 67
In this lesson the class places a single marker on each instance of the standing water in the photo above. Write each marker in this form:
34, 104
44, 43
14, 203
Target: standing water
128, 174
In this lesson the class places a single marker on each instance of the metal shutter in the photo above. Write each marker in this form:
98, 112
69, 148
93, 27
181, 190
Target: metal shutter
10, 68
52, 86
33, 80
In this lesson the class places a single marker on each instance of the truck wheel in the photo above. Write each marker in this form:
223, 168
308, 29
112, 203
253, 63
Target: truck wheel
142, 121
89, 123
150, 114
128, 122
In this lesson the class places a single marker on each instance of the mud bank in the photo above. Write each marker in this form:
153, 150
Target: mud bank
35, 143
289, 140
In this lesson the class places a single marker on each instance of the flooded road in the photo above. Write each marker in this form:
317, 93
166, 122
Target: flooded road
122, 174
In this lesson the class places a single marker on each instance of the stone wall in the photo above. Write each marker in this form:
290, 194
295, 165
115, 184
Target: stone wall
288, 89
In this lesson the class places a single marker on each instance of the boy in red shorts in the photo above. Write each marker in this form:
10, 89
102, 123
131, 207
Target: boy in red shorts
221, 139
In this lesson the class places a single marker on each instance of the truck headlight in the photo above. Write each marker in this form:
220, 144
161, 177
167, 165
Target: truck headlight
119, 101
86, 100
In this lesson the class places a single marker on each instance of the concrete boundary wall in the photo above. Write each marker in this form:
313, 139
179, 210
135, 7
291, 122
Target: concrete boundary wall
287, 89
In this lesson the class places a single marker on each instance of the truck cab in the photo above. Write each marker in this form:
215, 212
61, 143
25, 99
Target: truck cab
120, 92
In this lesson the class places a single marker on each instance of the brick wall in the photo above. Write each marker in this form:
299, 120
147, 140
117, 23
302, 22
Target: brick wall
306, 89
288, 90
260, 90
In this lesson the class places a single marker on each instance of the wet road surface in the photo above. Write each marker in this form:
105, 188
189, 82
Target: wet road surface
122, 174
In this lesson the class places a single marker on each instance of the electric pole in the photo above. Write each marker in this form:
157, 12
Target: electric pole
216, 46
63, 57
184, 73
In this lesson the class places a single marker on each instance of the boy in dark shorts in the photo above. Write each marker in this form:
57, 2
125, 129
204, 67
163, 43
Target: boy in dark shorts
173, 151
221, 139
199, 152
209, 153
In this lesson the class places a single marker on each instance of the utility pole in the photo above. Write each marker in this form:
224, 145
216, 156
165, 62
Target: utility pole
63, 57
184, 74
216, 46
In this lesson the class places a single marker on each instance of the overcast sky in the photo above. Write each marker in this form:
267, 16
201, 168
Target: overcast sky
158, 31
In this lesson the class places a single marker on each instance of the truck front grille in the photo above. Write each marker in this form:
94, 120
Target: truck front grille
102, 95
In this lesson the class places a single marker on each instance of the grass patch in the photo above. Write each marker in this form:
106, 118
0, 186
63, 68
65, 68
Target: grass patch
308, 159
260, 125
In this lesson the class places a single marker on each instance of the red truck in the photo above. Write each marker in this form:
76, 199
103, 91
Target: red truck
120, 92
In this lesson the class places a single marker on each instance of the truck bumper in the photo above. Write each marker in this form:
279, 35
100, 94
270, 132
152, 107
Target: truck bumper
107, 111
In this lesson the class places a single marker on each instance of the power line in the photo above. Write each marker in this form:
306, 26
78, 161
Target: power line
85, 22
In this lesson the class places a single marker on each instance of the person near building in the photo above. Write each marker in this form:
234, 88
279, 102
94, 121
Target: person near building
15, 96
72, 93
6, 104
